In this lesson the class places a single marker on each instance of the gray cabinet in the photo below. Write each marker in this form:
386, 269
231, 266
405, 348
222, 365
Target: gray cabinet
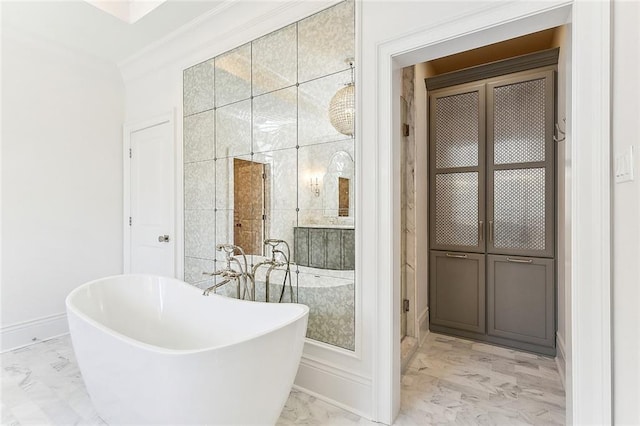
333, 248
492, 210
317, 248
348, 249
457, 290
325, 248
301, 246
521, 299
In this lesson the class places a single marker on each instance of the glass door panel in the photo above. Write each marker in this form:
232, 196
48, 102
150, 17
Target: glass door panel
457, 135
519, 209
456, 130
520, 169
456, 209
519, 126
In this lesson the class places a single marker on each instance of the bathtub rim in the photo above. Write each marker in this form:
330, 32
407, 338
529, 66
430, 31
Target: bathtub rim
168, 351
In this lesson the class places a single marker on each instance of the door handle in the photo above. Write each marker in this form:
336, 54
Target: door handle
480, 231
163, 238
459, 256
491, 231
511, 259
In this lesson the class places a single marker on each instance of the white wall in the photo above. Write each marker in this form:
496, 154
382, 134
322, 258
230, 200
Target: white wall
626, 215
61, 181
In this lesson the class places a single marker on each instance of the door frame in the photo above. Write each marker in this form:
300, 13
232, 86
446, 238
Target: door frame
127, 131
589, 384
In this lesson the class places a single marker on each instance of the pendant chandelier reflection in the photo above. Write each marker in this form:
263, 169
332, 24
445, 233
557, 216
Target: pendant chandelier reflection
342, 108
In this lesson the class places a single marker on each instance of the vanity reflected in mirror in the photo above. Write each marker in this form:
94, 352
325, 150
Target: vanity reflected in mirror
263, 161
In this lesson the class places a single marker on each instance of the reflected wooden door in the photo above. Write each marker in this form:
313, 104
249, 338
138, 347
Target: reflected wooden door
248, 205
343, 196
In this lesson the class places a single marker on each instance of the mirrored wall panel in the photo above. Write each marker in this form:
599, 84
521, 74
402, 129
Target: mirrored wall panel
265, 170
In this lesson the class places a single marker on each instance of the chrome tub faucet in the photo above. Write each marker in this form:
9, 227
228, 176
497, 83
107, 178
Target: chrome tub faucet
245, 284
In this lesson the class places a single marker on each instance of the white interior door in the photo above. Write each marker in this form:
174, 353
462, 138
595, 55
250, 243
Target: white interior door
151, 222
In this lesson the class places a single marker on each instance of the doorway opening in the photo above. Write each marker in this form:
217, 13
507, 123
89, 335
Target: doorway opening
415, 184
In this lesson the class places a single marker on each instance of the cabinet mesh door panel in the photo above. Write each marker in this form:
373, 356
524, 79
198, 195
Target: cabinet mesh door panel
519, 122
456, 209
456, 121
519, 209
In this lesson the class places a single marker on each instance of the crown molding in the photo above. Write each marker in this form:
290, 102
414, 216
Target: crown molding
232, 24
211, 14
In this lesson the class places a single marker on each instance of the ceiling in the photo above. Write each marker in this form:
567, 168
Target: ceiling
494, 52
81, 26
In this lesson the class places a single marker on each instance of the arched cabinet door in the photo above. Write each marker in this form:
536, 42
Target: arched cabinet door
457, 168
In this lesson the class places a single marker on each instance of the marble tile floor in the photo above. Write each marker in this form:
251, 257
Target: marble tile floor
448, 381
408, 347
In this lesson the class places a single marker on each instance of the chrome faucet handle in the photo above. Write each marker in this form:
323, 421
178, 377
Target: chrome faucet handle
229, 249
212, 274
274, 252
214, 287
272, 242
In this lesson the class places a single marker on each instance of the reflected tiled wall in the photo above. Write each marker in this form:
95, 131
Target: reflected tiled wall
267, 102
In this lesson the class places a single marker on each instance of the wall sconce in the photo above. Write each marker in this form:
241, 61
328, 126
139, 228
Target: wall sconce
342, 108
315, 187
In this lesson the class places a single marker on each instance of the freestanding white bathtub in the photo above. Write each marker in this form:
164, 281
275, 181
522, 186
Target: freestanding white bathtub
153, 350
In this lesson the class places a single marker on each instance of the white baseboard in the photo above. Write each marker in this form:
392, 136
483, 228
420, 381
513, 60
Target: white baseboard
335, 386
26, 333
561, 359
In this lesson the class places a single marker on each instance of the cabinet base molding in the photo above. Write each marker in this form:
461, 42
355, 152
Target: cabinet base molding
507, 343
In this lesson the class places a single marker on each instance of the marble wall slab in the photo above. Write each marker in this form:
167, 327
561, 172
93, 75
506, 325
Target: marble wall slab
408, 215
